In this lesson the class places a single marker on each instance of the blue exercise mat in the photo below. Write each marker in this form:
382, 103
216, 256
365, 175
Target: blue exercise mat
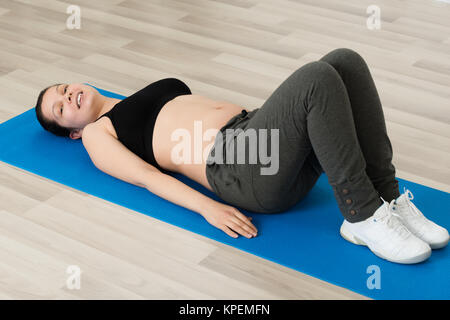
305, 238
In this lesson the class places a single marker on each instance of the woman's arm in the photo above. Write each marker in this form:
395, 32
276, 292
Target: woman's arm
110, 156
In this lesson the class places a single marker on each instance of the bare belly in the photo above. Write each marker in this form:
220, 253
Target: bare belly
189, 117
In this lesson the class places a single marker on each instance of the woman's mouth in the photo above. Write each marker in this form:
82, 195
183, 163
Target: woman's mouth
79, 99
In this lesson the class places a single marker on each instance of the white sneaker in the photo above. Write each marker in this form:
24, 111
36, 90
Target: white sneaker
433, 234
386, 237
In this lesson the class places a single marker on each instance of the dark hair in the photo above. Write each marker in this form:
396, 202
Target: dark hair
49, 125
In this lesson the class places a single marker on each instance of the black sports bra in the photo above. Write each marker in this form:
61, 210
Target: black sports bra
134, 117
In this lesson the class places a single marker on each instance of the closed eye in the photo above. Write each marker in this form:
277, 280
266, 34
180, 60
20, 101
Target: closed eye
65, 90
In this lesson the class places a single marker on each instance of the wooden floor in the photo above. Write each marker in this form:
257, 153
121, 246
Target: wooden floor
233, 50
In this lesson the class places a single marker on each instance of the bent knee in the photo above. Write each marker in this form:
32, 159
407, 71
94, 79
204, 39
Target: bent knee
343, 56
347, 52
315, 71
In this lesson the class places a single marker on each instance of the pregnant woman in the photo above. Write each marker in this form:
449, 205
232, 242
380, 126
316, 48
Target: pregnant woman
325, 117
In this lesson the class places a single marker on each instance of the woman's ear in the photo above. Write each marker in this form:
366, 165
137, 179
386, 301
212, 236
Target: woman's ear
76, 134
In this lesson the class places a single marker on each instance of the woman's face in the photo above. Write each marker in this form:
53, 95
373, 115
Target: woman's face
71, 105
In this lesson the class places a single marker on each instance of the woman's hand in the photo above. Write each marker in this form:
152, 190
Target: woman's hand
229, 219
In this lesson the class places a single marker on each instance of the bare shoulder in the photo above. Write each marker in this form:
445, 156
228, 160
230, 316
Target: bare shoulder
101, 126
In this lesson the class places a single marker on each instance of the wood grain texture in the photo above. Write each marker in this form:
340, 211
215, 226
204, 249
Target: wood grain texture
233, 50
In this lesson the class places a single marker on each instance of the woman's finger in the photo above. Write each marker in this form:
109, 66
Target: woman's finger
229, 232
243, 225
236, 227
244, 218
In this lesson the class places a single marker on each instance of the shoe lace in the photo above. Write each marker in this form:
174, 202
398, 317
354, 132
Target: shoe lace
409, 204
392, 221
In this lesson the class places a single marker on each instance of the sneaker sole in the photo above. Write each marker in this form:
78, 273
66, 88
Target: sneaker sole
349, 236
439, 245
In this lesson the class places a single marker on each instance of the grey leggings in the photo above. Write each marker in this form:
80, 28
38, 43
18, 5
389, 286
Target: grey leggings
330, 120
